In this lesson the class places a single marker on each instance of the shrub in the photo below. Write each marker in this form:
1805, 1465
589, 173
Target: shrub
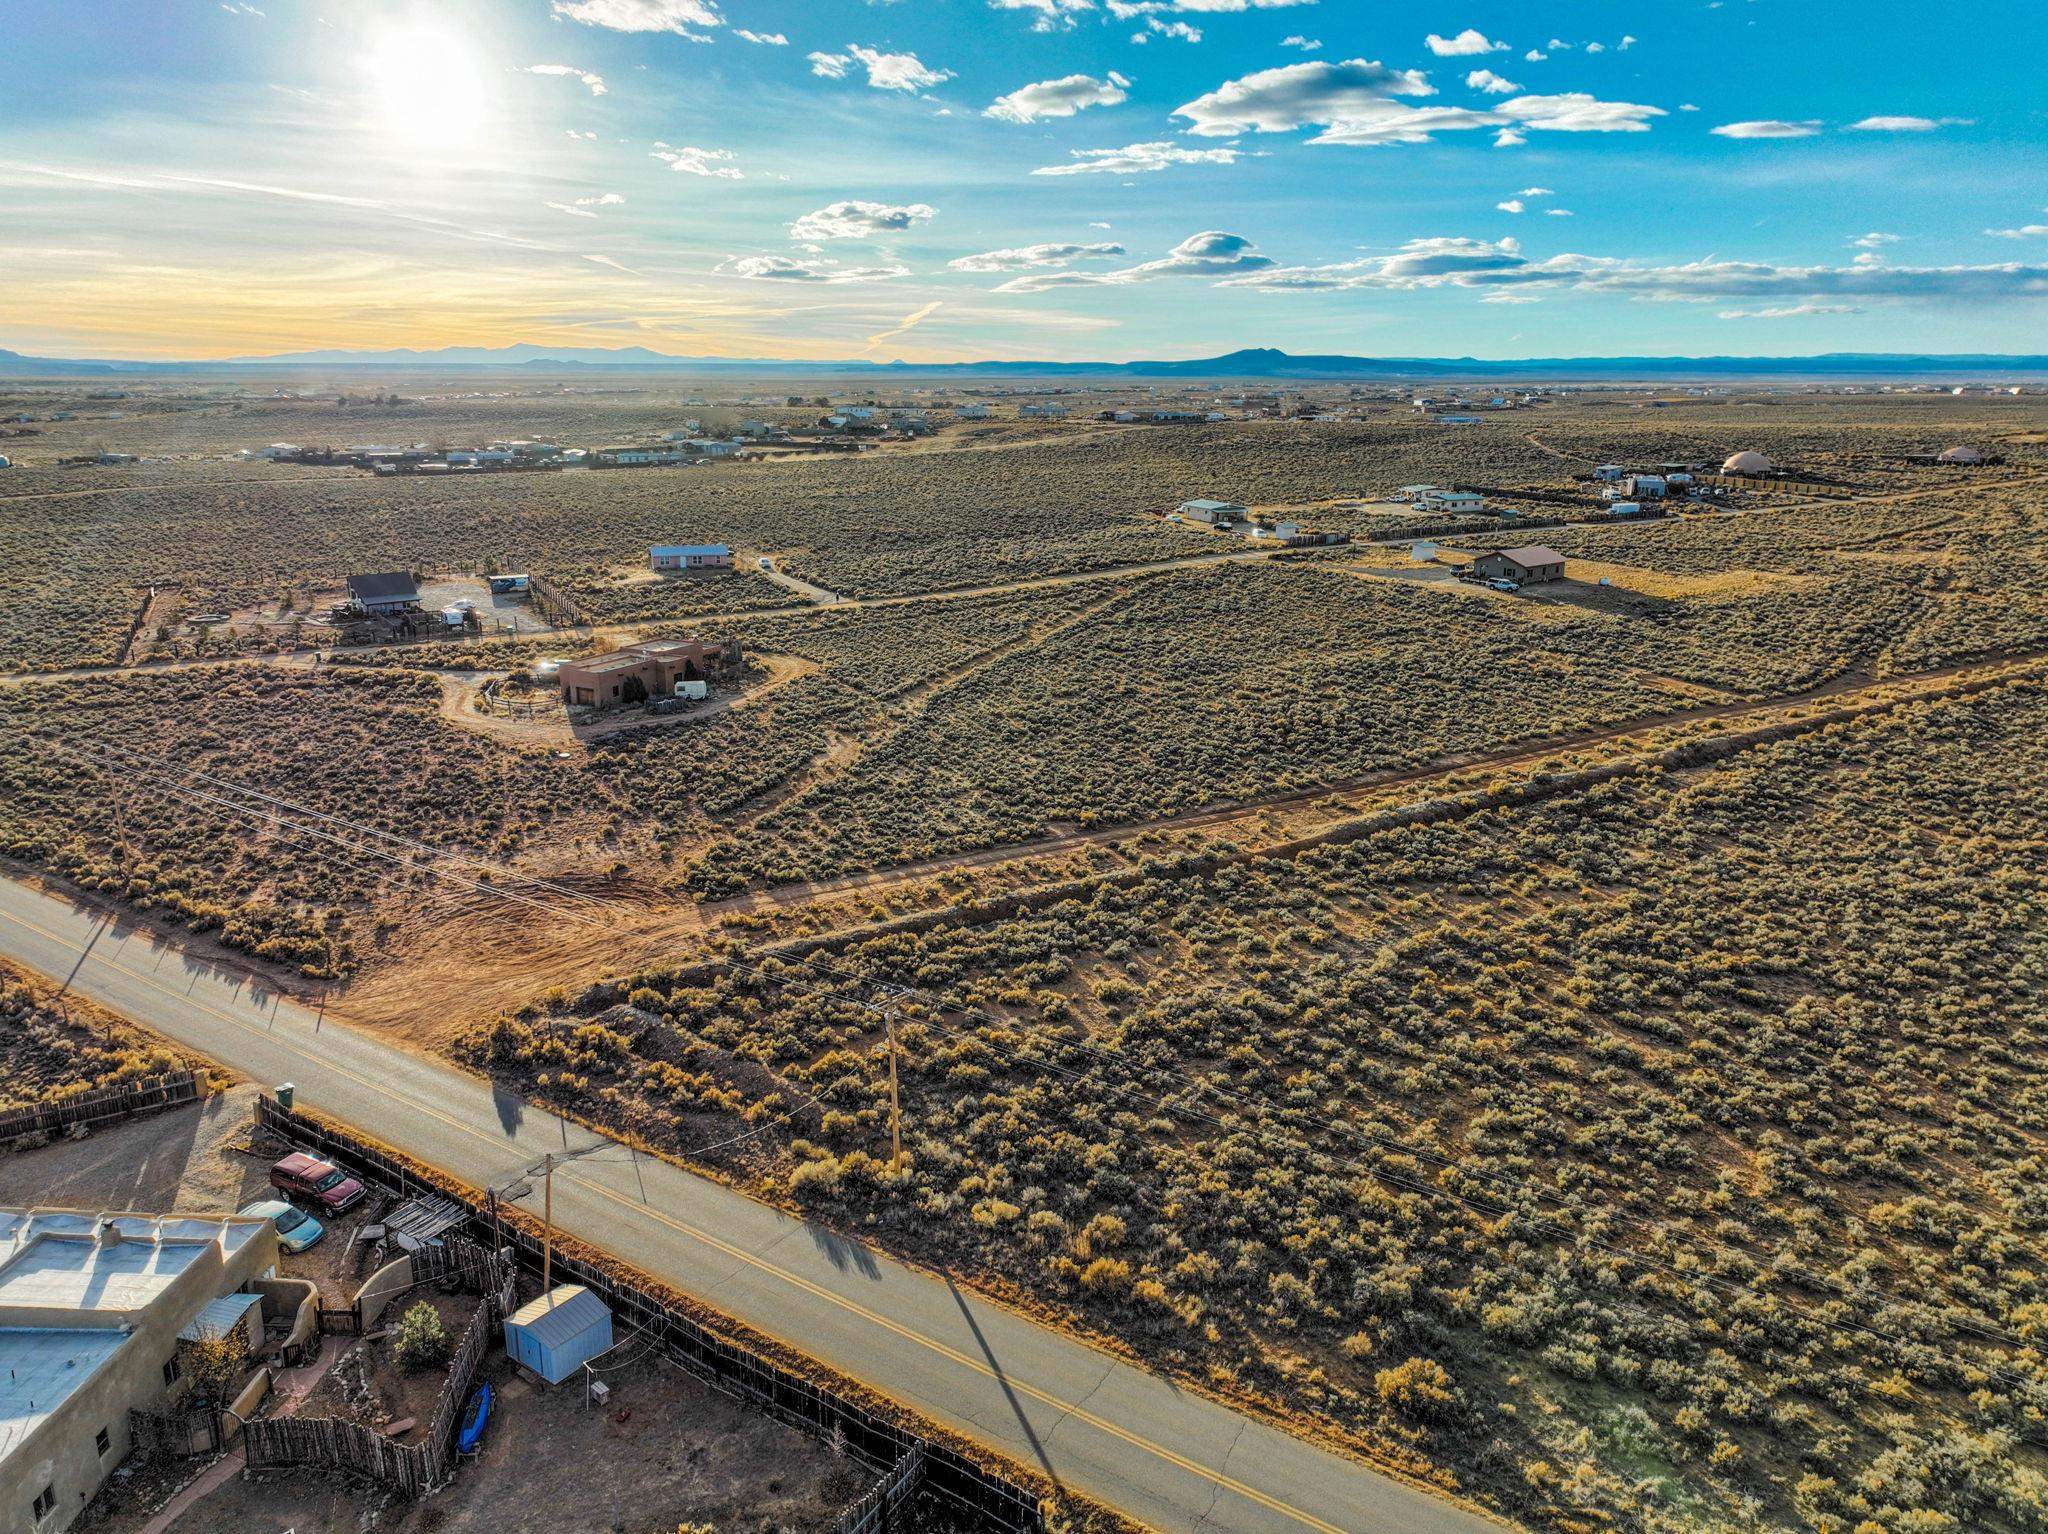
423, 1342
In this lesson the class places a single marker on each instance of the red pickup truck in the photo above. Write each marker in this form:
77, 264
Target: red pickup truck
320, 1183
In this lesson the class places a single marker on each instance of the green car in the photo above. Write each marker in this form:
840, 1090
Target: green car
296, 1230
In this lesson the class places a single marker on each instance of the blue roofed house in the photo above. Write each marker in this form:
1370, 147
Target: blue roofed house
94, 1312
690, 556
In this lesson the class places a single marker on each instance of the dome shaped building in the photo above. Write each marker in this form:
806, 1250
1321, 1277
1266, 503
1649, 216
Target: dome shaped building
1749, 461
1959, 454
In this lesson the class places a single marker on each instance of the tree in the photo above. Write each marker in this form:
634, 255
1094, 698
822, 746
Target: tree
215, 1365
423, 1342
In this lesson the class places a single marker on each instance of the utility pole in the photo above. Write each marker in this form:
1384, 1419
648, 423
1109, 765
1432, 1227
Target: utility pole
547, 1223
895, 1096
892, 997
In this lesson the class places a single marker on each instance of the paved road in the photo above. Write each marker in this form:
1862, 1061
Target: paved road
1170, 1459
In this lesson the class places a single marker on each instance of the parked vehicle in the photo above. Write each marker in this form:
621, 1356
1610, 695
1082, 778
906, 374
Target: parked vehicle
318, 1182
296, 1230
1502, 583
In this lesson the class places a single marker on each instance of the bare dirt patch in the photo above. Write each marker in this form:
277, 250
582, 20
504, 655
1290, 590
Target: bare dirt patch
667, 1450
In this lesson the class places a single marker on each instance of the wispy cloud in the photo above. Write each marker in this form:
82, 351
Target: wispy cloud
1135, 159
885, 71
909, 321
1213, 253
1767, 127
595, 83
692, 161
789, 269
1907, 124
677, 16
1024, 257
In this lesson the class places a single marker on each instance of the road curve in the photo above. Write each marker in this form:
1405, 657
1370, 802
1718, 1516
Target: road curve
1168, 1458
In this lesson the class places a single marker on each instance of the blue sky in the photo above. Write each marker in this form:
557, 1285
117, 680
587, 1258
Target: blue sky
943, 179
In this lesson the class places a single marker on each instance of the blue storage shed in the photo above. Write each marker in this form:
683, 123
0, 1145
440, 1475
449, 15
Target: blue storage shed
558, 1333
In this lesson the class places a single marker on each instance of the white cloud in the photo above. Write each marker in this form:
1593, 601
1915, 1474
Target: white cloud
1490, 83
1500, 266
886, 71
1573, 112
1124, 10
767, 39
1788, 311
787, 269
1212, 253
595, 83
1906, 124
692, 161
1136, 158
1769, 127
1352, 102
1305, 44
1295, 95
1058, 98
1466, 43
1557, 212
581, 207
1048, 15
1535, 56
1875, 240
676, 16
1154, 27
1535, 191
1023, 257
2024, 232
852, 220
1512, 205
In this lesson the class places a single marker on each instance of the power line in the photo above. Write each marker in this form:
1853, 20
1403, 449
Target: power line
1158, 1100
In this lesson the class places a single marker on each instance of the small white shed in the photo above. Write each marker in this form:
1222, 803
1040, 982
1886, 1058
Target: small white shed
558, 1333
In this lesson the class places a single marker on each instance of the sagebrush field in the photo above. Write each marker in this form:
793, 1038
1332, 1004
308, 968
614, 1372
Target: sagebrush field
1580, 1043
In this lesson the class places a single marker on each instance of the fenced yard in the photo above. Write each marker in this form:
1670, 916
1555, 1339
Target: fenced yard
334, 1443
864, 1433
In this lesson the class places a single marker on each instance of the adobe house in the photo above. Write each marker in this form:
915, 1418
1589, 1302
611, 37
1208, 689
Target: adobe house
651, 669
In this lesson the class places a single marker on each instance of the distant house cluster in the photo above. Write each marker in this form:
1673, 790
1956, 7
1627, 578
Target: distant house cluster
1234, 516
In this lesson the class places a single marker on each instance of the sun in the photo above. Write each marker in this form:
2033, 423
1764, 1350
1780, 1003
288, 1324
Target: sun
426, 87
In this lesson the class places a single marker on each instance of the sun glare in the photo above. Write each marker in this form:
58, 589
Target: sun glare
427, 88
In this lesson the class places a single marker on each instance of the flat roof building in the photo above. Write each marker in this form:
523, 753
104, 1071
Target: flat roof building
654, 668
93, 1311
689, 556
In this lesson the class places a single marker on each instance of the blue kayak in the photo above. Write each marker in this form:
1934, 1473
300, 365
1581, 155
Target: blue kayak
473, 1420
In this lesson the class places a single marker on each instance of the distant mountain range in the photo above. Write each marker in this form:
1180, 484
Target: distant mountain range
1255, 362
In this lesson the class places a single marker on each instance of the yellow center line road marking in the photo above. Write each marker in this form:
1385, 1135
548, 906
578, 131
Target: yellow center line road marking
953, 1355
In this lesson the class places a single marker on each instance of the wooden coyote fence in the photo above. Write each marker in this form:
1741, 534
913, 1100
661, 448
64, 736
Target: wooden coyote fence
104, 1104
876, 1440
886, 1507
332, 1443
554, 604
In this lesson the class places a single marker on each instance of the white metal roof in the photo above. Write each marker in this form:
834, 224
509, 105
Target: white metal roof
218, 1317
562, 1314
680, 550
